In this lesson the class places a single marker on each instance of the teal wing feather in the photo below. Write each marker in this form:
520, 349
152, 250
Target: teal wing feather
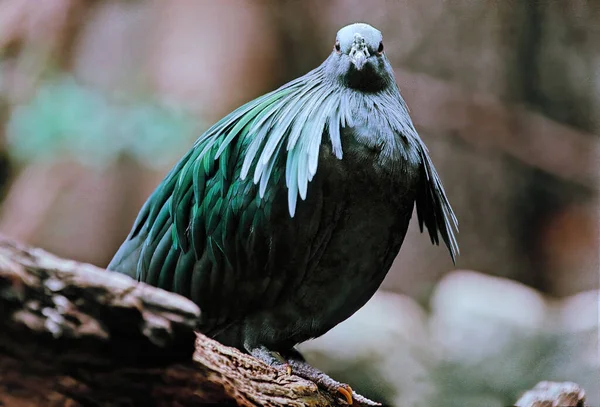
433, 208
209, 221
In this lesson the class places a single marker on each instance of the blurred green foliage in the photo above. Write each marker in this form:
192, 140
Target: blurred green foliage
66, 119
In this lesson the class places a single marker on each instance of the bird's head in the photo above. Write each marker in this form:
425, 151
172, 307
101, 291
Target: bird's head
358, 60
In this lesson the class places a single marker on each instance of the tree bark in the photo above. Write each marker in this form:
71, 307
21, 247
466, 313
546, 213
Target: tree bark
553, 394
72, 334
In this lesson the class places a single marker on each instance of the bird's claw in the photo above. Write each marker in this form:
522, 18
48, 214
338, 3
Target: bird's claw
346, 391
296, 364
284, 367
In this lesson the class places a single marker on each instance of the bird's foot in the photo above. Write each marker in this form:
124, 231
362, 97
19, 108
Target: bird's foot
293, 362
272, 358
306, 371
285, 368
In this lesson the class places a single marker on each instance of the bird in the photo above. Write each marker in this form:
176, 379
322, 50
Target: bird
285, 216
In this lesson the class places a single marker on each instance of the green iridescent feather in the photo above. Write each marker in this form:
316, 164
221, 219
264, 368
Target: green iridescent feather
207, 222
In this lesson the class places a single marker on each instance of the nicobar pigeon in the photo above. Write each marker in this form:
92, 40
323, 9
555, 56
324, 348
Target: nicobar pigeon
285, 216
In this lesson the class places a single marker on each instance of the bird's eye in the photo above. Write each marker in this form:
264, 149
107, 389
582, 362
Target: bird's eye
380, 49
337, 46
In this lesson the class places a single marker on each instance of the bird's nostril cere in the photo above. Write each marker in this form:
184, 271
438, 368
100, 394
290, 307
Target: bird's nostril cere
359, 51
359, 39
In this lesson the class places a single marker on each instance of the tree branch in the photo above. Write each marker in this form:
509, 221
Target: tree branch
553, 394
72, 334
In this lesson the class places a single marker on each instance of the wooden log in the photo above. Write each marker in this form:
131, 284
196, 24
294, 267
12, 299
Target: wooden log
553, 394
72, 334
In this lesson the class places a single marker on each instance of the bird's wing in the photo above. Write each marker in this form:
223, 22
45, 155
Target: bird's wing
209, 219
433, 209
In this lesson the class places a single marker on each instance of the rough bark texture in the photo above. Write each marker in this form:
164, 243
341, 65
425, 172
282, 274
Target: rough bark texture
553, 394
72, 334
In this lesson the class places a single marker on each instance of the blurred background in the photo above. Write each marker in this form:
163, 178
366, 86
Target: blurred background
99, 98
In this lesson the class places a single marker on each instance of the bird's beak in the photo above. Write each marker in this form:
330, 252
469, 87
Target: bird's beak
359, 59
359, 52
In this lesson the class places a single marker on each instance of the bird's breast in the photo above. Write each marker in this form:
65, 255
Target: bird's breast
375, 201
340, 244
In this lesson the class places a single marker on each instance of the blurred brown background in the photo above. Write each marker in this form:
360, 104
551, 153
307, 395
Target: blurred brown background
99, 98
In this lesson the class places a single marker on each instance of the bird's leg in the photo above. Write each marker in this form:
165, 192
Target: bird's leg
271, 358
291, 361
300, 367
